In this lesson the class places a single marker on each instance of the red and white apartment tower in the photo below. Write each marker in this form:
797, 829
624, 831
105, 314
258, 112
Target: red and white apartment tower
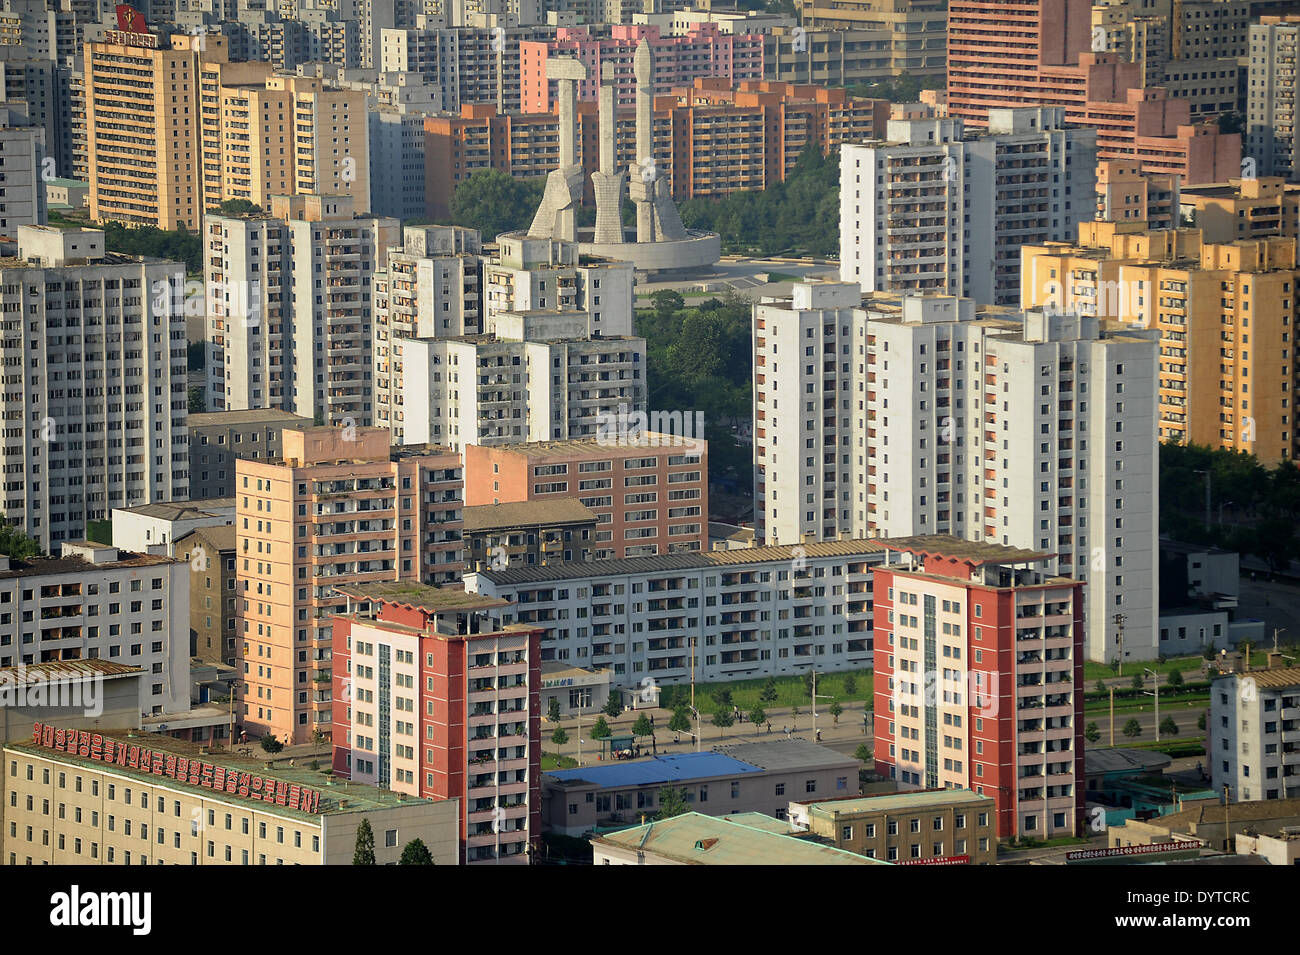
979, 679
432, 697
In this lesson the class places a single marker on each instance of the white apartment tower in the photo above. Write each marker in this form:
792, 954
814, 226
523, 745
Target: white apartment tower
1270, 133
94, 390
1253, 745
556, 356
931, 210
290, 307
925, 415
432, 288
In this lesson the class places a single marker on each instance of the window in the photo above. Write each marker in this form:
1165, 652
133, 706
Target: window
390, 838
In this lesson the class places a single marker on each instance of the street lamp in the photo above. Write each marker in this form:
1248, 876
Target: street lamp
1155, 679
815, 698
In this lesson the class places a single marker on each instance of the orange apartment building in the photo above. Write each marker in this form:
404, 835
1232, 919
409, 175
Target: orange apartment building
1124, 192
1012, 53
1224, 313
340, 507
650, 493
173, 128
713, 137
1244, 208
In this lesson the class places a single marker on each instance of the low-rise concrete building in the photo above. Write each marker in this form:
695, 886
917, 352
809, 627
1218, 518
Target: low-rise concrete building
696, 839
1281, 849
155, 528
1253, 734
575, 689
77, 694
528, 533
744, 777
1216, 826
927, 827
211, 553
215, 810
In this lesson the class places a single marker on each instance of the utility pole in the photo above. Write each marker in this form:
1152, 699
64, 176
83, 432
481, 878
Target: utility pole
1119, 640
814, 703
1155, 678
1112, 716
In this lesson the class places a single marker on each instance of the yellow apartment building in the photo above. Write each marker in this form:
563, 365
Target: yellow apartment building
1244, 208
1223, 312
340, 507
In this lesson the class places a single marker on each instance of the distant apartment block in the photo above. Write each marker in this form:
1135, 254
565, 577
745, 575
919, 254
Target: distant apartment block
930, 209
1243, 209
98, 339
979, 682
649, 491
210, 552
1253, 746
218, 438
1126, 193
528, 533
340, 507
1271, 97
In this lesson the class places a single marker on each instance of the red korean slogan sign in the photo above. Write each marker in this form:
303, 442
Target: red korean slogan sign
193, 772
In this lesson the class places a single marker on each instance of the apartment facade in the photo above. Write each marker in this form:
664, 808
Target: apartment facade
153, 800
291, 311
218, 438
742, 613
1271, 97
1243, 209
978, 682
106, 410
649, 491
432, 288
341, 507
22, 152
464, 720
211, 555
1126, 193
1253, 744
929, 210
923, 426
528, 533
98, 603
1205, 302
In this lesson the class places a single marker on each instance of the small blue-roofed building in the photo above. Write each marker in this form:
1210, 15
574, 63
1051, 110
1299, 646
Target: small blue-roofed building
758, 777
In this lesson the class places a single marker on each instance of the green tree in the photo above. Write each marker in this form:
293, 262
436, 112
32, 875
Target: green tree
1091, 733
1168, 726
1175, 678
758, 715
862, 753
1132, 728
601, 729
559, 737
364, 853
768, 694
196, 356
493, 202
416, 852
722, 697
1138, 681
836, 710
1101, 686
198, 401
1200, 722
239, 207
642, 726
16, 545
614, 705
667, 302
723, 718
553, 709
808, 684
271, 744
672, 802
681, 721
850, 684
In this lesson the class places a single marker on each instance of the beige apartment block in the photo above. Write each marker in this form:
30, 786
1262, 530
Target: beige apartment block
193, 808
341, 507
1244, 209
1213, 305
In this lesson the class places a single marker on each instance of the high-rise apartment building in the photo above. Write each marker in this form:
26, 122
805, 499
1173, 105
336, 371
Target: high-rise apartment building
929, 209
22, 155
432, 288
434, 698
341, 507
919, 422
97, 385
1210, 305
979, 681
1271, 97
290, 307
1125, 193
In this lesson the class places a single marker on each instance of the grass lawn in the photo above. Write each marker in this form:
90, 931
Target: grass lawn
551, 761
1176, 702
1092, 672
789, 691
773, 277
1046, 843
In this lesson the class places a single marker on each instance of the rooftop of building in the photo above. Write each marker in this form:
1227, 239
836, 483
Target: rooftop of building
410, 593
484, 517
52, 566
917, 801
221, 536
971, 552
616, 443
1103, 760
65, 670
1278, 678
731, 532
785, 755
553, 669
1237, 813
182, 510
695, 560
209, 419
695, 839
336, 795
657, 770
